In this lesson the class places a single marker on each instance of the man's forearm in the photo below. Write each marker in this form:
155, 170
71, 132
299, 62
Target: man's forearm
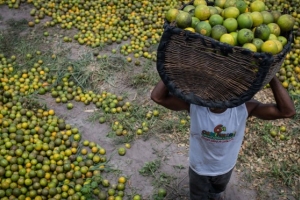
282, 98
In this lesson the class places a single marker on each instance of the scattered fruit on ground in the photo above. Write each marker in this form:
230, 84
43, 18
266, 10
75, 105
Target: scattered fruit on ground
162, 192
282, 128
273, 133
121, 151
70, 106
127, 145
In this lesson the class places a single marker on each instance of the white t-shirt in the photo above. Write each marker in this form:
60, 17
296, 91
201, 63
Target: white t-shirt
215, 139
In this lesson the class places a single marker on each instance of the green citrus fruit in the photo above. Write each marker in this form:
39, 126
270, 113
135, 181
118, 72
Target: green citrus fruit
216, 19
258, 43
242, 6
202, 12
172, 14
262, 31
203, 28
272, 37
257, 6
230, 24
267, 16
273, 133
220, 3
245, 21
276, 14
234, 35
274, 28
228, 39
250, 46
230, 3
213, 10
195, 21
122, 151
269, 46
286, 22
162, 192
257, 18
189, 8
199, 2
217, 31
279, 46
184, 20
245, 36
190, 29
231, 12
282, 39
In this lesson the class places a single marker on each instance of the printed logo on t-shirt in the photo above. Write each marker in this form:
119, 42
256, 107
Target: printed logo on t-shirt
218, 134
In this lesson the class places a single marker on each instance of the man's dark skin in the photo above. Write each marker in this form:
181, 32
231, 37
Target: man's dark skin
284, 107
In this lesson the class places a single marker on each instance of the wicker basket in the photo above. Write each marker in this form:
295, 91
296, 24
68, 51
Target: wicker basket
206, 72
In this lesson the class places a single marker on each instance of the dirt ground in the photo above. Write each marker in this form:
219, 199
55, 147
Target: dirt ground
174, 158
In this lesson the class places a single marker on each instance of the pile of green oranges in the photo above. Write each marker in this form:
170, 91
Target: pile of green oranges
236, 23
289, 74
135, 25
41, 156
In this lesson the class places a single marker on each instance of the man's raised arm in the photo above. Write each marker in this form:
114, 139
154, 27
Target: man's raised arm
161, 96
284, 107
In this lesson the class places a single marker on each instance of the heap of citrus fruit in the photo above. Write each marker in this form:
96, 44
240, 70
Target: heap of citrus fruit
135, 25
42, 157
236, 23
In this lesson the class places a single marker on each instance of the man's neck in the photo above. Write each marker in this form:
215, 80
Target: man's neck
217, 110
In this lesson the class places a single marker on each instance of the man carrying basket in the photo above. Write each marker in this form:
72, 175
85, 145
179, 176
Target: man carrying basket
216, 136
